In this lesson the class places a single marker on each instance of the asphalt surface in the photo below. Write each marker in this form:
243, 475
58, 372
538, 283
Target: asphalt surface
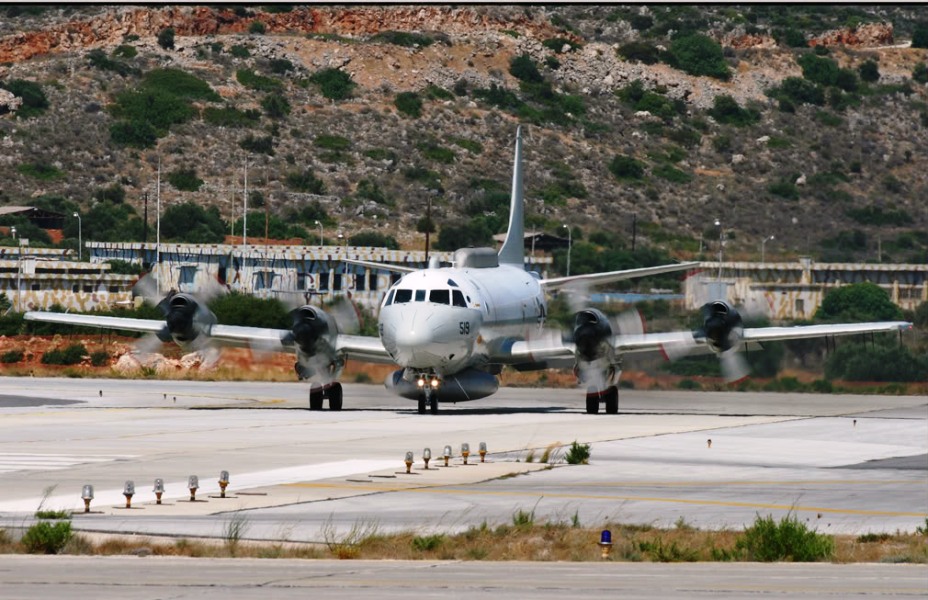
842, 463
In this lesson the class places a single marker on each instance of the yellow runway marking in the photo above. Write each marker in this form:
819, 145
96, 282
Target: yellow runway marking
730, 504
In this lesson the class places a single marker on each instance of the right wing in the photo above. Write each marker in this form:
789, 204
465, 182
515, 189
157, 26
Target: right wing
612, 276
101, 322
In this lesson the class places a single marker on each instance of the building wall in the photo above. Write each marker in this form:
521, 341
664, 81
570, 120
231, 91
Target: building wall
790, 291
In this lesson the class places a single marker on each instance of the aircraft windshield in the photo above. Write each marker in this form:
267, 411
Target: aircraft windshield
440, 296
403, 296
447, 297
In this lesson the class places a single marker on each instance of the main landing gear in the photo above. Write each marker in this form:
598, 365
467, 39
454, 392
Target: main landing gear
331, 391
610, 396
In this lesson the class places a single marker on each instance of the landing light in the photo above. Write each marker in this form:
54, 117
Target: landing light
421, 382
158, 490
87, 495
435, 382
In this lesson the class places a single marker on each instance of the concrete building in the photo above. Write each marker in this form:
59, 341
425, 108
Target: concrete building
794, 290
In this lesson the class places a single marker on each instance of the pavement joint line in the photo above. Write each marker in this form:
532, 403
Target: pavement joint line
750, 483
440, 489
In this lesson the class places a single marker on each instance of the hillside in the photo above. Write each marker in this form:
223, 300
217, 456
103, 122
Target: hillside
359, 117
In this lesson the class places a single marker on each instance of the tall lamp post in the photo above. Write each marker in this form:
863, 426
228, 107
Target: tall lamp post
718, 224
80, 238
570, 244
763, 250
321, 232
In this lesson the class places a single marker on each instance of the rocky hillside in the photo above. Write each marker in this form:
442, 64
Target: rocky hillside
359, 117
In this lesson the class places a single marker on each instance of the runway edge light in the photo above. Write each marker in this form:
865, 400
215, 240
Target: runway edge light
128, 491
223, 483
158, 490
193, 484
446, 454
605, 543
426, 457
408, 460
465, 451
483, 452
87, 496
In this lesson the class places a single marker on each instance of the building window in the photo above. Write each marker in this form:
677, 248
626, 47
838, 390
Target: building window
301, 281
264, 280
114, 289
221, 275
36, 287
75, 288
800, 307
336, 282
88, 289
323, 281
373, 282
359, 281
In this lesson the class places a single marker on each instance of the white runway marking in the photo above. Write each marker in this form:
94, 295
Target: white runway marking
11, 462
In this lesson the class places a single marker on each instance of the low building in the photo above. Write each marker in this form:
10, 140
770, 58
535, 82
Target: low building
784, 291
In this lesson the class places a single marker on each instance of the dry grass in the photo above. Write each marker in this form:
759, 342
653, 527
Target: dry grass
525, 541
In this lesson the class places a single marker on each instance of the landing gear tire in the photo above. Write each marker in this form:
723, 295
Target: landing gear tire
433, 404
335, 396
592, 404
316, 396
612, 400
422, 404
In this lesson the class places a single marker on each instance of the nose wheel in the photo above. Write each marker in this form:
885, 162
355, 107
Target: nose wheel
318, 395
428, 399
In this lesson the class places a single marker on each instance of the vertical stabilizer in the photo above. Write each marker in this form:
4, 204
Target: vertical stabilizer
513, 250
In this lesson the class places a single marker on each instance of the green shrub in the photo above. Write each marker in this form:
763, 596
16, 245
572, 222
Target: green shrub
920, 73
35, 102
797, 90
437, 93
239, 51
12, 356
640, 51
179, 83
689, 384
260, 83
276, 106
523, 68
166, 38
99, 60
426, 543
305, 181
556, 44
784, 189
888, 362
333, 83
185, 179
672, 174
190, 222
154, 106
403, 38
790, 37
70, 355
869, 71
699, 54
125, 51
332, 142
858, 302
472, 146
578, 454
437, 153
229, 116
409, 103
257, 27
41, 171
876, 215
726, 110
626, 167
374, 239
920, 36
258, 145
280, 65
47, 538
769, 541
134, 133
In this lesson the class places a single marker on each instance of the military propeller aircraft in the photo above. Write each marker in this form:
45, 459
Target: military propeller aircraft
452, 329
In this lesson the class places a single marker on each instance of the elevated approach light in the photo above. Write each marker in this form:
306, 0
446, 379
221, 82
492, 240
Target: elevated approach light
158, 490
446, 454
408, 460
193, 484
87, 496
223, 483
605, 543
128, 491
465, 451
426, 457
483, 452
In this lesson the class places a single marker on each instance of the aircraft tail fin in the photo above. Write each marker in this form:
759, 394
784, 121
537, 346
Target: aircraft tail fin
513, 250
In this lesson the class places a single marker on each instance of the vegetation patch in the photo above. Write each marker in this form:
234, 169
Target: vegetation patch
229, 116
71, 355
260, 83
41, 171
409, 103
789, 539
185, 179
35, 102
334, 84
407, 39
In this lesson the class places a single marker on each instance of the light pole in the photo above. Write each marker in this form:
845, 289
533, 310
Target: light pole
321, 232
80, 237
570, 244
13, 232
763, 250
718, 224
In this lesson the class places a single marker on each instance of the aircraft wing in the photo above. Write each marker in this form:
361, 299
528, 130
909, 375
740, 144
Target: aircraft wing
123, 323
379, 266
363, 348
611, 276
766, 334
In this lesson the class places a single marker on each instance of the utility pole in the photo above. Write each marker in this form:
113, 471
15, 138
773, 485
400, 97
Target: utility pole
158, 233
145, 221
428, 218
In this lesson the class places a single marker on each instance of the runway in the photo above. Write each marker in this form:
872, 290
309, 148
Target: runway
845, 464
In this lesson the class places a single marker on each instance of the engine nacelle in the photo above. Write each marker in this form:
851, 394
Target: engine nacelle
469, 384
722, 327
186, 319
591, 335
311, 330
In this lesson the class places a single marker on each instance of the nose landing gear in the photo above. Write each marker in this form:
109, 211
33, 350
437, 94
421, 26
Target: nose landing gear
318, 394
428, 394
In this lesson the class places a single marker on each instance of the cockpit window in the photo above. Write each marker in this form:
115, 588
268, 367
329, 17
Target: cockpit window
458, 298
389, 299
420, 295
403, 296
440, 296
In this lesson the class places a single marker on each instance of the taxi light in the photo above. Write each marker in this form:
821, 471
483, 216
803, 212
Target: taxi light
435, 382
605, 543
446, 454
465, 451
128, 491
158, 490
409, 459
421, 382
193, 484
483, 452
223, 483
426, 457
87, 496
